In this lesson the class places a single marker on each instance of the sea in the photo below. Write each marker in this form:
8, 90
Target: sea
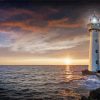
42, 82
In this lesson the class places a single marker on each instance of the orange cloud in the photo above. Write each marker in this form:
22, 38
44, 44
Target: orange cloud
63, 23
23, 26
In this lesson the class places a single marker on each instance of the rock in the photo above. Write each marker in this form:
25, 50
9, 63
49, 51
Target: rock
98, 75
86, 72
98, 71
94, 95
83, 98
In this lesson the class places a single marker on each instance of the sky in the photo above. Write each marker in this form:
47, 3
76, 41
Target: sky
45, 31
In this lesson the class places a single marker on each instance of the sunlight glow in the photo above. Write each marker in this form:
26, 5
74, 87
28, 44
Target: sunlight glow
42, 61
68, 61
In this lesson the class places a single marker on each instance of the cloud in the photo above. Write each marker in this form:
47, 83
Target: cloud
5, 40
22, 26
64, 23
11, 12
39, 44
33, 32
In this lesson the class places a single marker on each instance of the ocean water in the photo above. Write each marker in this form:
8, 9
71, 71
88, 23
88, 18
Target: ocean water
45, 82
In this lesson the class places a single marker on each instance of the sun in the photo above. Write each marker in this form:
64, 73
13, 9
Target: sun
68, 61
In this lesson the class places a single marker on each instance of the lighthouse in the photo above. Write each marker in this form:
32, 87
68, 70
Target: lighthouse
94, 29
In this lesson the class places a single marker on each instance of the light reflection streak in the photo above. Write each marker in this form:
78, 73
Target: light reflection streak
68, 73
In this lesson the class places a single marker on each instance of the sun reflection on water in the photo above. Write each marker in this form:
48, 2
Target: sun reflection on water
68, 72
71, 74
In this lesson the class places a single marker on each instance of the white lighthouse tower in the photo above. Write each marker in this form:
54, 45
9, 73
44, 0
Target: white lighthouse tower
94, 28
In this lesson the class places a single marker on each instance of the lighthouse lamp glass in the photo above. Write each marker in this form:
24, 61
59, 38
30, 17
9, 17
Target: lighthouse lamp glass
94, 20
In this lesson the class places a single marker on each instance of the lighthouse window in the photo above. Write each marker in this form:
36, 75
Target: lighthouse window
97, 62
96, 40
96, 51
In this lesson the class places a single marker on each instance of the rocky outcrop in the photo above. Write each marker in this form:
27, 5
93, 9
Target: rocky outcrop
84, 98
94, 95
86, 72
